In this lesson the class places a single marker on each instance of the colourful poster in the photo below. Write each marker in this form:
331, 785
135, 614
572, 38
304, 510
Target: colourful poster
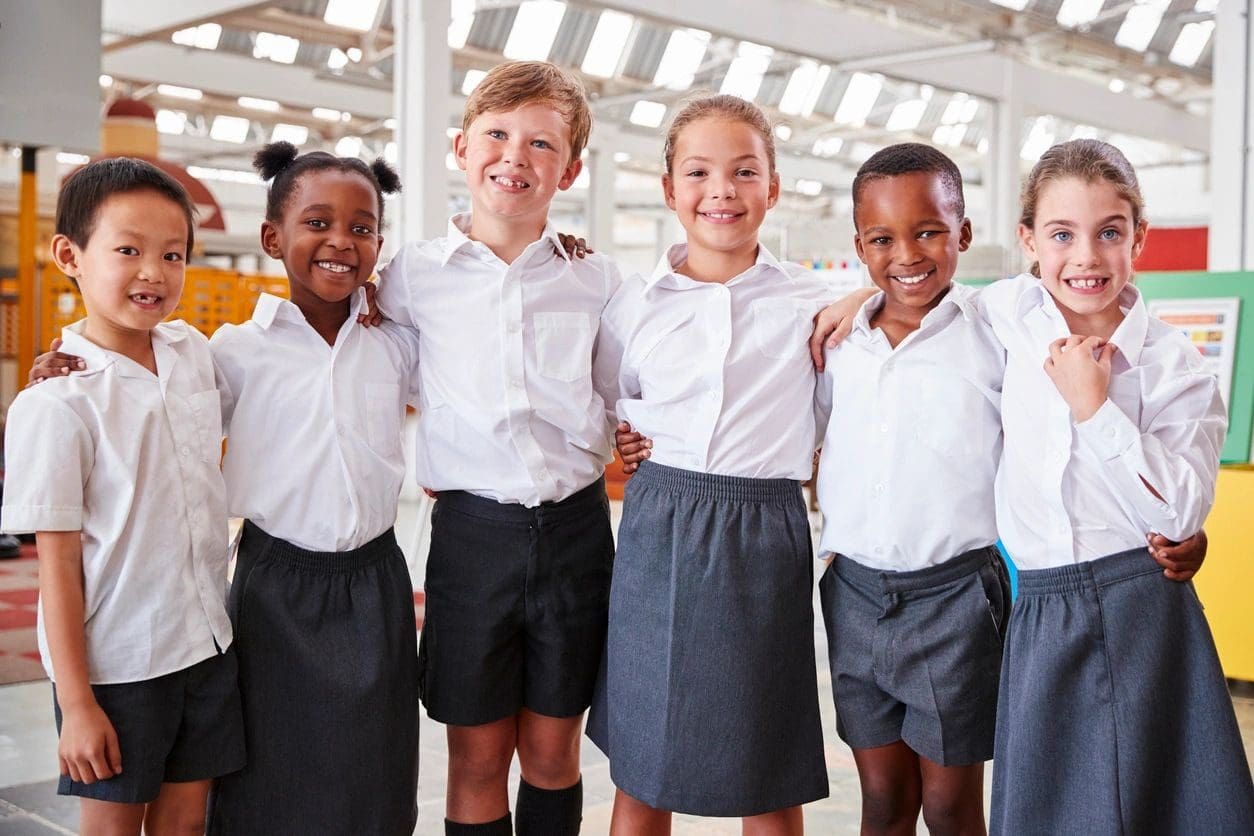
1211, 325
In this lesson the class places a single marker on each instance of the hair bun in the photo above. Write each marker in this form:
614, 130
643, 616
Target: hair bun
389, 180
273, 158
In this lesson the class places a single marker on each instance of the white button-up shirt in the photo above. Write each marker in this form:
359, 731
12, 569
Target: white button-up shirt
130, 459
718, 375
508, 410
314, 451
1067, 492
911, 448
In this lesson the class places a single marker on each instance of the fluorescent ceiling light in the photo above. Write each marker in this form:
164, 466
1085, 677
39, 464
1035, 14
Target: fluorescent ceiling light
682, 58
461, 18
1073, 13
804, 87
471, 81
859, 98
1017, 5
348, 146
950, 135
327, 114
960, 109
354, 54
621, 156
278, 48
337, 60
106, 80
171, 121
230, 128
1140, 24
228, 175
609, 39
535, 27
1084, 132
204, 36
744, 76
906, 115
295, 134
1116, 85
1040, 138
1192, 41
783, 133
809, 187
827, 146
66, 158
179, 92
352, 14
648, 114
258, 104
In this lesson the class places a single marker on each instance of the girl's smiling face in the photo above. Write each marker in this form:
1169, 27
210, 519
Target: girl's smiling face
328, 237
721, 184
1084, 239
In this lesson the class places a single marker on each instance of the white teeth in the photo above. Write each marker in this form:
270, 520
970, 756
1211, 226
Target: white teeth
510, 183
1084, 283
722, 216
145, 299
333, 266
911, 279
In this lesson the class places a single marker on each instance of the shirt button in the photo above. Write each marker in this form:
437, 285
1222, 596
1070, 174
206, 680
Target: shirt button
884, 427
339, 429
1110, 432
186, 451
879, 488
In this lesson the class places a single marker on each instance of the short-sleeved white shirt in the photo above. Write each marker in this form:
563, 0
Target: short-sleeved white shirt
718, 375
131, 459
508, 408
314, 449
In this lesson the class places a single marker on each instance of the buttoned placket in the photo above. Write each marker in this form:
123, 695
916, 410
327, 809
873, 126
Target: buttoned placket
719, 317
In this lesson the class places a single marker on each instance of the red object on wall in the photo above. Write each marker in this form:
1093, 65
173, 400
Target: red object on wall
1174, 248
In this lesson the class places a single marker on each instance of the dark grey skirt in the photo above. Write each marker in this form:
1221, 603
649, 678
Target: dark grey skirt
328, 673
1113, 715
709, 699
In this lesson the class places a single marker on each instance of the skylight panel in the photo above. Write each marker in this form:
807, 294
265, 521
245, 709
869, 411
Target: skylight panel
960, 109
461, 18
1140, 24
348, 146
648, 114
230, 128
1040, 138
471, 81
744, 76
609, 39
804, 87
352, 14
171, 121
1073, 13
828, 146
179, 92
535, 27
682, 58
295, 134
809, 187
906, 115
278, 48
204, 36
859, 98
1017, 5
1192, 41
269, 105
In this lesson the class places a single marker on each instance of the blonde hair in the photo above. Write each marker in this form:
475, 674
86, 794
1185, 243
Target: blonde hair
720, 106
514, 84
1090, 160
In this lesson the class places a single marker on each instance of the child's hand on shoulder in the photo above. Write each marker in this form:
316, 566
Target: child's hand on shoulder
371, 316
633, 447
1081, 375
574, 247
88, 750
1180, 561
833, 323
53, 363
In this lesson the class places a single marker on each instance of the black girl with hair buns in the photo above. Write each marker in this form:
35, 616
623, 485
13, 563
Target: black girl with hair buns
280, 164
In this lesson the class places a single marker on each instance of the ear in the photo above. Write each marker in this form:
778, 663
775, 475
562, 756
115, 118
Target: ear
772, 193
459, 149
378, 243
66, 254
569, 175
1138, 238
270, 240
1027, 242
857, 245
964, 235
668, 191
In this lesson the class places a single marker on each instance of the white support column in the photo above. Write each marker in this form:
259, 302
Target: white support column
1231, 245
600, 206
1003, 184
423, 78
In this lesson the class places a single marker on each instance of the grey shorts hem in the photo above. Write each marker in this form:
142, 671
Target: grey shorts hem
700, 805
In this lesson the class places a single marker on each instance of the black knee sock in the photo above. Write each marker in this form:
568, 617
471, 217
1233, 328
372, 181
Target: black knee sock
500, 827
549, 812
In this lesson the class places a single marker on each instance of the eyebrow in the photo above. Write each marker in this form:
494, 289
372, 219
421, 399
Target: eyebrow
920, 224
136, 233
326, 207
1103, 221
699, 159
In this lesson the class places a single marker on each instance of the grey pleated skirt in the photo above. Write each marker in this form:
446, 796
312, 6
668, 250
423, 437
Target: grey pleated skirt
708, 703
1113, 715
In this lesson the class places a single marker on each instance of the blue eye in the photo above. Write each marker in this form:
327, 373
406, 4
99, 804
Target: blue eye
1108, 234
541, 143
496, 134
1062, 236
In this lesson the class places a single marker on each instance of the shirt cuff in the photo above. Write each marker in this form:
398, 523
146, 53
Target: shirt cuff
18, 519
1109, 433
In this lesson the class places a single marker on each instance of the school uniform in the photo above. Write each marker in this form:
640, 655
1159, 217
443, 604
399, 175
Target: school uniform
917, 596
515, 440
130, 459
1114, 716
709, 700
321, 597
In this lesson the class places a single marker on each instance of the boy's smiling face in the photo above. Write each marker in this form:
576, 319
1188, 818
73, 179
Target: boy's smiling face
515, 161
909, 235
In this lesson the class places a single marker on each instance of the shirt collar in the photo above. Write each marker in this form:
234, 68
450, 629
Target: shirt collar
458, 238
98, 358
1130, 334
270, 307
677, 254
959, 296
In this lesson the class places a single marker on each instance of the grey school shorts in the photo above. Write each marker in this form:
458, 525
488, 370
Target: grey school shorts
916, 656
184, 726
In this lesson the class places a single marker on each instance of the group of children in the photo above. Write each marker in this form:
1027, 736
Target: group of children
1049, 409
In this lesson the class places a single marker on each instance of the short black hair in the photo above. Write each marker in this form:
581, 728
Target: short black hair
85, 191
282, 164
911, 158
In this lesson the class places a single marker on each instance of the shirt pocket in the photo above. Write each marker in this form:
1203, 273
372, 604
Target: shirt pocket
563, 345
206, 408
782, 327
951, 416
384, 414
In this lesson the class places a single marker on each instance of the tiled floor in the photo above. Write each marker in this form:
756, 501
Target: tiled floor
29, 805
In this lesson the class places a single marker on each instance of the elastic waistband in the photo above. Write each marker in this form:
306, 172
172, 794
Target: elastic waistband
714, 486
273, 548
1089, 574
884, 582
489, 509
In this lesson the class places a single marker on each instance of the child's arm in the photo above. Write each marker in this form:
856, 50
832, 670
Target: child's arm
1180, 561
53, 363
833, 323
88, 750
633, 448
